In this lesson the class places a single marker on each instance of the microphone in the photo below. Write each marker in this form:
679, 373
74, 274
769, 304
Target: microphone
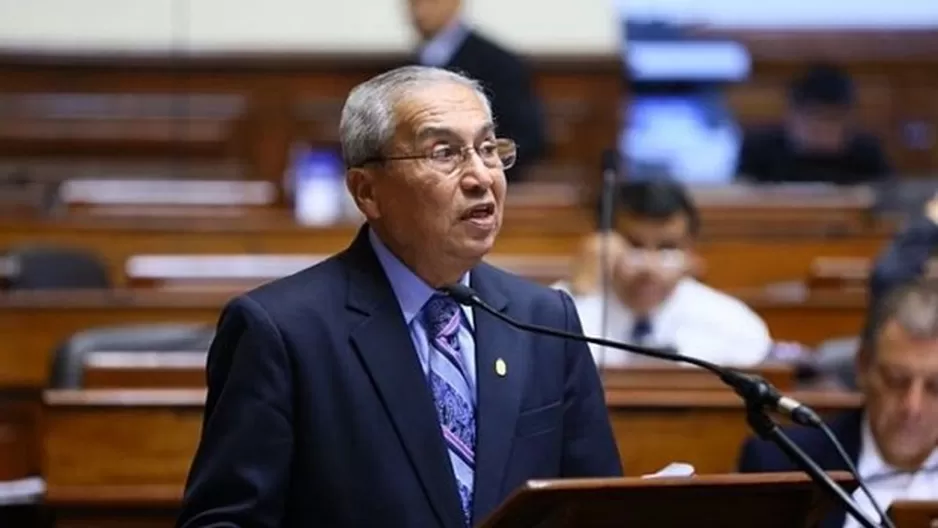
756, 392
607, 216
607, 204
750, 387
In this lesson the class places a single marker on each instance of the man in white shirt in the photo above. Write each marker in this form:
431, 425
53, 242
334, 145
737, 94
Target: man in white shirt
654, 299
893, 441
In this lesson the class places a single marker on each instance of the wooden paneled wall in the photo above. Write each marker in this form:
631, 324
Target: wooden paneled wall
895, 74
251, 107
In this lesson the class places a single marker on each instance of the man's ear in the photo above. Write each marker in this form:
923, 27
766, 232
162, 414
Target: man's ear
360, 184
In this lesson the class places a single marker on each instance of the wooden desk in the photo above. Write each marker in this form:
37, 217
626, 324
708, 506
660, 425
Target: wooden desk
118, 458
914, 514
730, 262
93, 468
19, 429
26, 355
702, 428
810, 320
34, 324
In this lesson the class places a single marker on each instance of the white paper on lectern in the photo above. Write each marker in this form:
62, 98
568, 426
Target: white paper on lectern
674, 469
25, 491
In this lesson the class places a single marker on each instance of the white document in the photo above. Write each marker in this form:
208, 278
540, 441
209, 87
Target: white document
674, 469
24, 491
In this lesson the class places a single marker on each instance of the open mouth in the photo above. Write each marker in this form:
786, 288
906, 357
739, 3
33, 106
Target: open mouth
479, 212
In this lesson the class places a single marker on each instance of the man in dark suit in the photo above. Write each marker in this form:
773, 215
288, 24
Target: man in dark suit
819, 141
352, 393
893, 441
448, 42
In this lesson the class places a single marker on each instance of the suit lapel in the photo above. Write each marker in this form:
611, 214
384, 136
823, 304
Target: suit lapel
383, 343
499, 391
847, 429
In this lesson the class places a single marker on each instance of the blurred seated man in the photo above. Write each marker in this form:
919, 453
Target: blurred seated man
447, 41
819, 141
655, 299
893, 441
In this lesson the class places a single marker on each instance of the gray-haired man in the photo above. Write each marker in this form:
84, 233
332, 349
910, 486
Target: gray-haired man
351, 394
893, 440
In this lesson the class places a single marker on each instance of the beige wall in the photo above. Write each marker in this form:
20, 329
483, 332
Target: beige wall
536, 26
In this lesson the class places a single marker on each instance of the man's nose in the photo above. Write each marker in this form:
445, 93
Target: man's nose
476, 176
914, 399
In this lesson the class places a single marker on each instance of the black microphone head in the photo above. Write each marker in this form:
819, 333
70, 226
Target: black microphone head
461, 293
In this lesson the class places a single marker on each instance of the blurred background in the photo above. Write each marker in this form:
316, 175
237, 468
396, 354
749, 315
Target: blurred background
763, 162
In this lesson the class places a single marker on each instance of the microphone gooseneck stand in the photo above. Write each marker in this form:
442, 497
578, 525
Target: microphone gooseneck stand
767, 429
755, 391
607, 214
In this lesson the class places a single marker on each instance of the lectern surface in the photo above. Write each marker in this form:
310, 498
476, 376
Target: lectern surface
770, 500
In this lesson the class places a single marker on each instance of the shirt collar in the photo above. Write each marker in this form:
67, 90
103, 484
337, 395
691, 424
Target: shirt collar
871, 460
439, 50
411, 291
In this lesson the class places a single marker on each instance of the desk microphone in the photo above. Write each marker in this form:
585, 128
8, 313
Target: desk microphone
756, 392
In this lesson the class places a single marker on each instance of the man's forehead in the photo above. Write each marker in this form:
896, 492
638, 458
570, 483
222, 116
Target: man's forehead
433, 130
442, 106
898, 343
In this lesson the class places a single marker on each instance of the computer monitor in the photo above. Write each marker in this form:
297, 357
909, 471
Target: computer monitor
675, 120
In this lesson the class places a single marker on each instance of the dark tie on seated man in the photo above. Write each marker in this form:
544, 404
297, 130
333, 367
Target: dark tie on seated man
893, 441
351, 393
819, 140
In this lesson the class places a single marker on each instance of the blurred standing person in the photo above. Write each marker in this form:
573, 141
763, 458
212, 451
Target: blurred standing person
448, 41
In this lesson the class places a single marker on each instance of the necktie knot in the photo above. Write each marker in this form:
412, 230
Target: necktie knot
641, 329
441, 316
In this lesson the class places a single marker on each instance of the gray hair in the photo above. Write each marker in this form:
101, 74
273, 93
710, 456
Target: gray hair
914, 306
368, 121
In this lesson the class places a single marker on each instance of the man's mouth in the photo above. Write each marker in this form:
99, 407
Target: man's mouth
479, 212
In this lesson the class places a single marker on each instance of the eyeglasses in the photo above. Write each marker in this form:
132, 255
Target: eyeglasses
498, 153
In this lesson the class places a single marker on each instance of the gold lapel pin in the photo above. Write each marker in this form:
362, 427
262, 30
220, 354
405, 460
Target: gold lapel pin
500, 367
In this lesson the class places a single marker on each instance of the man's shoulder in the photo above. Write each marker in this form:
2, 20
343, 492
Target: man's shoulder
519, 289
314, 289
710, 299
482, 44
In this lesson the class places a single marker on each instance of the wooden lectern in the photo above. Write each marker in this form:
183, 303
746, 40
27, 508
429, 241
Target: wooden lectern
914, 514
766, 500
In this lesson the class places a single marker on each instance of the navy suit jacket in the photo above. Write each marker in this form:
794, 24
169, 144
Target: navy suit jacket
318, 412
762, 456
